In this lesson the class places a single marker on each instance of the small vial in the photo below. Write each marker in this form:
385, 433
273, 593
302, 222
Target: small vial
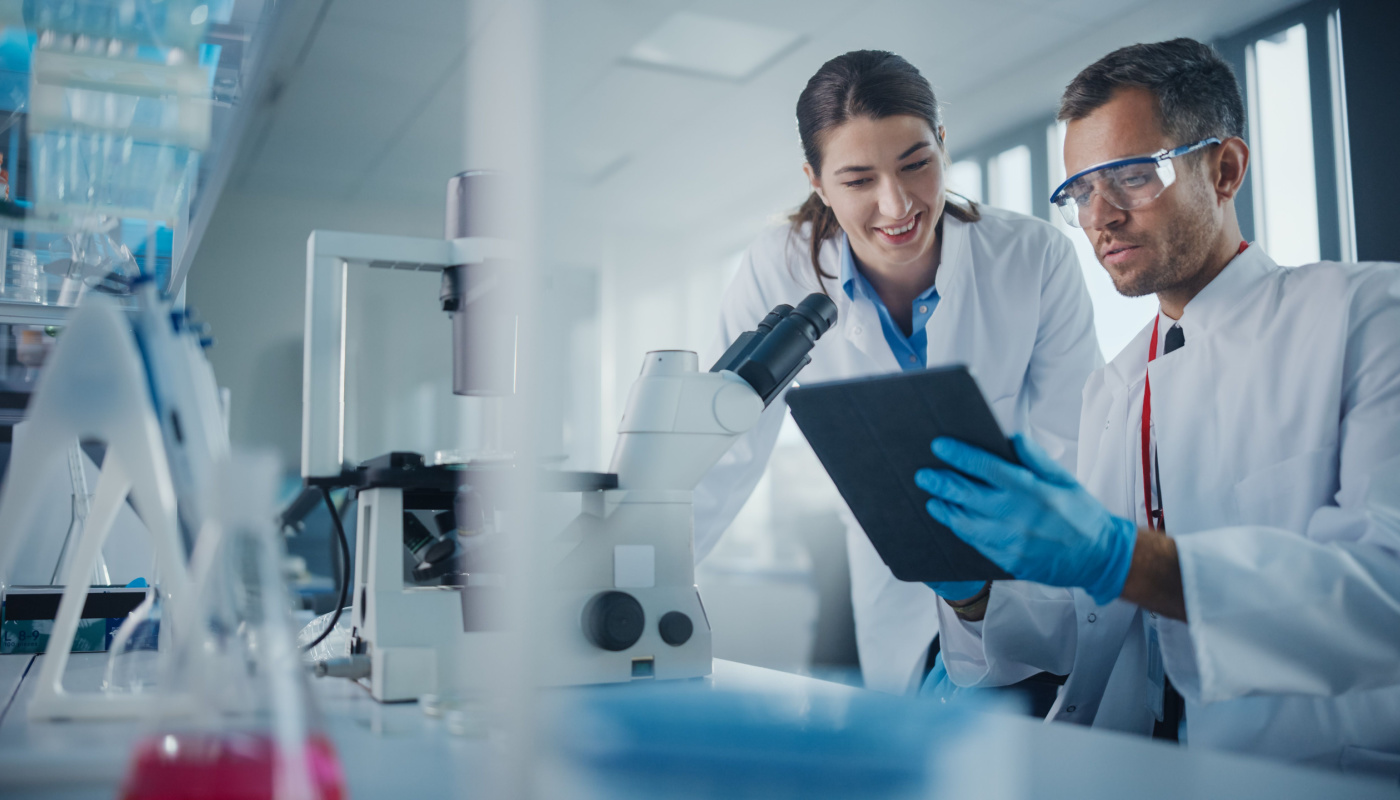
23, 278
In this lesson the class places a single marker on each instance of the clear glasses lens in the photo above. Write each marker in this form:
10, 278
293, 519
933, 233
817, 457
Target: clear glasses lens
1125, 187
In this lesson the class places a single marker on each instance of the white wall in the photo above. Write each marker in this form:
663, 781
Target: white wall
248, 282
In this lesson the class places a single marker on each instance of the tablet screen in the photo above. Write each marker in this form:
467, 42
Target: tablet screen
873, 434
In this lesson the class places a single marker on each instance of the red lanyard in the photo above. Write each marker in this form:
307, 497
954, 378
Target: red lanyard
1156, 520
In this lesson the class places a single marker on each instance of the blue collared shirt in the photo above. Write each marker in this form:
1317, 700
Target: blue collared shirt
910, 351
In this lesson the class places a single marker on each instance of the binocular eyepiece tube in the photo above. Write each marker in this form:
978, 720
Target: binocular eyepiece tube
770, 356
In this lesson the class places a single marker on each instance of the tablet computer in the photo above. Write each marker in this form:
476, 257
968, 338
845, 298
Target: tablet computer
873, 434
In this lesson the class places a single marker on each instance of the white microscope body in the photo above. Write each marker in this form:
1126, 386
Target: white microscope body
617, 595
621, 601
626, 605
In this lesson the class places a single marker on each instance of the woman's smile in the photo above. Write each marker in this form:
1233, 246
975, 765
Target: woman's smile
901, 233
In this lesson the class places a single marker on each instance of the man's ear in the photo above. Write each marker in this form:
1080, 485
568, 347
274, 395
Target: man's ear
816, 181
1230, 167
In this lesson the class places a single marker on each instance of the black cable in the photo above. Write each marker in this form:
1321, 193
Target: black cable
344, 568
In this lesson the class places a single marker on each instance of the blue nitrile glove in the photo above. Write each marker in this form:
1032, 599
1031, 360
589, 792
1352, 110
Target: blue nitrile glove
957, 591
1034, 521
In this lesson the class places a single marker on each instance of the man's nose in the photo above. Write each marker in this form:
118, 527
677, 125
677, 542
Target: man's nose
894, 200
1100, 213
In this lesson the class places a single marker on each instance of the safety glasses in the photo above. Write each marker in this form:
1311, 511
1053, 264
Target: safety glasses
1125, 184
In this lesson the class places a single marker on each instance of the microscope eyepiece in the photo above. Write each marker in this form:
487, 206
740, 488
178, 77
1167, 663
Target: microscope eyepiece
818, 310
772, 318
771, 359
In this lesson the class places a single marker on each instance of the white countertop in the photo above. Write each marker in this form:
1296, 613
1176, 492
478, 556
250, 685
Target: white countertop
398, 751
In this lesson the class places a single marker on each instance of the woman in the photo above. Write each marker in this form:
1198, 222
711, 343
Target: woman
918, 281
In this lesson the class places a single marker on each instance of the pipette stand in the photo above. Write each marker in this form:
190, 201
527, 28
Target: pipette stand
94, 387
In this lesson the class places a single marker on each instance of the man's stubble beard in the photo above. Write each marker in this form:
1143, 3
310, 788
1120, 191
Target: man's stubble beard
1184, 246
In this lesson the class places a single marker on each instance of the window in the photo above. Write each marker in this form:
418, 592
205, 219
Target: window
1117, 319
1009, 180
1297, 201
1281, 141
965, 178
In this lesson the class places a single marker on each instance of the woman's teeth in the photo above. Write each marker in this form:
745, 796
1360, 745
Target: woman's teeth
902, 229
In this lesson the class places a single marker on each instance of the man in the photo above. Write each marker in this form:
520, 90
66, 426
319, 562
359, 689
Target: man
1219, 549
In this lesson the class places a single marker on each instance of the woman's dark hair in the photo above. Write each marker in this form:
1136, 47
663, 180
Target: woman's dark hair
861, 83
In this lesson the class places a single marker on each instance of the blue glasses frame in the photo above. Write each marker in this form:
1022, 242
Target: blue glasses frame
1059, 198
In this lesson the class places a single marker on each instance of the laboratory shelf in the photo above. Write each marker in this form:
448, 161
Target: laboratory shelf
17, 313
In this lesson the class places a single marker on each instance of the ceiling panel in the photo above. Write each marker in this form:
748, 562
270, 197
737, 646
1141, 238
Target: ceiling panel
585, 39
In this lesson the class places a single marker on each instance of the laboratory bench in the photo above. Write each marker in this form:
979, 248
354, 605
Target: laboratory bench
396, 750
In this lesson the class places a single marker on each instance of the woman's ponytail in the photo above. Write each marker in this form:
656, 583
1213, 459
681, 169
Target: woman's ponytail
823, 227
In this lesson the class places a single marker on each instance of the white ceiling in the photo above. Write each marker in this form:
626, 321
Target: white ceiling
373, 101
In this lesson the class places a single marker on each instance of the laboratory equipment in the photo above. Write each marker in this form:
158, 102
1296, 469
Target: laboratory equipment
119, 108
250, 727
683, 740
620, 600
29, 612
86, 259
623, 602
141, 385
94, 387
23, 278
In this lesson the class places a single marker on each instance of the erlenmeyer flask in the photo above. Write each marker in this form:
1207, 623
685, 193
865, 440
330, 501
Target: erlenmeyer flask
247, 727
132, 658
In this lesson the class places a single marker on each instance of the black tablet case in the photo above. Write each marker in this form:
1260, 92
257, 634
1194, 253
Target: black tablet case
873, 434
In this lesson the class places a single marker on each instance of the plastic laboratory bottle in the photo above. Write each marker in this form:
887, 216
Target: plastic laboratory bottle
24, 281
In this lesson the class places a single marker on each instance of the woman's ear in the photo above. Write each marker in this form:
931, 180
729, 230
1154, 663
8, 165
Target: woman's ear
816, 181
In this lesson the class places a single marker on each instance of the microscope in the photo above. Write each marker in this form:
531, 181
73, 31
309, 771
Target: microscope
618, 599
624, 599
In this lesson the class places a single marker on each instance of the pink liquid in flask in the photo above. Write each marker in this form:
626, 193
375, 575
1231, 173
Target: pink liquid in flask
233, 766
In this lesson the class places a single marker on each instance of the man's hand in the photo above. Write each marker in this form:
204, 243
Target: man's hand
1034, 521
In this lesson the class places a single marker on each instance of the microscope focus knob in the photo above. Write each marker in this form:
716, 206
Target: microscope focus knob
675, 628
613, 620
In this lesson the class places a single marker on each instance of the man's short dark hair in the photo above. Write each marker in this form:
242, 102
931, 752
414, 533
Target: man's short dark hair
1197, 94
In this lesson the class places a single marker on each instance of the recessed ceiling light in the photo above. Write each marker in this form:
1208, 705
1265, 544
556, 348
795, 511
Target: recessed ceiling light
712, 46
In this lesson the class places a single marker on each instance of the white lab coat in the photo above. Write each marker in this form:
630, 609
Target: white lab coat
1269, 424
1012, 306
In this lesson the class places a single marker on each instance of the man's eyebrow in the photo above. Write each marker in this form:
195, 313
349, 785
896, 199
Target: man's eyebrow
911, 151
